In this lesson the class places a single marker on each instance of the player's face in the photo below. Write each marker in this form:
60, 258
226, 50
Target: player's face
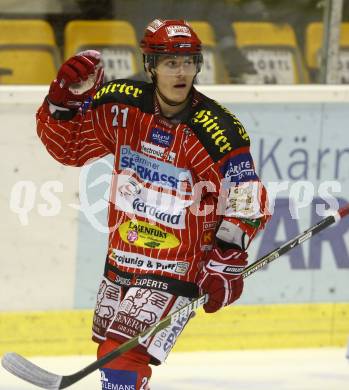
175, 76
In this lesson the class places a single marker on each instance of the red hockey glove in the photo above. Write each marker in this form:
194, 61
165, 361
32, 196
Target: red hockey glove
77, 80
221, 278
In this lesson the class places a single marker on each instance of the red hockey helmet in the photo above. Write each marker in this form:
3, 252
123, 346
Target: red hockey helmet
170, 37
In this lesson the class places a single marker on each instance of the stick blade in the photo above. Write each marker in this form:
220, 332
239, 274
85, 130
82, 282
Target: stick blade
30, 372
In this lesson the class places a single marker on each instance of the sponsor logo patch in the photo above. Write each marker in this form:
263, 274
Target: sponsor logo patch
145, 235
208, 235
132, 236
210, 225
145, 281
160, 137
157, 151
170, 219
159, 206
161, 173
138, 261
175, 331
118, 379
239, 169
155, 25
173, 31
209, 124
165, 339
243, 201
123, 88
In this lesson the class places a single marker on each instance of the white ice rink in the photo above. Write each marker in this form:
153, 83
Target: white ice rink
297, 369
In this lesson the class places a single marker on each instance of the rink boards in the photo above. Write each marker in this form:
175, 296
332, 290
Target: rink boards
236, 327
52, 254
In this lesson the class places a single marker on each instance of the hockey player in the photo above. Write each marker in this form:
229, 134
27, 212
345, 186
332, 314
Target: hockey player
185, 200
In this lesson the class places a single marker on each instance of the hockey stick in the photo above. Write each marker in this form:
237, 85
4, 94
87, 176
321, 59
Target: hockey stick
30, 372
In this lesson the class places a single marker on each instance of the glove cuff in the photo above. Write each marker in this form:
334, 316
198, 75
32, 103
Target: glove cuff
227, 269
59, 112
231, 262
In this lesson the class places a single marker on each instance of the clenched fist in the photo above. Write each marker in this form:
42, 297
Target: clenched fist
221, 278
77, 80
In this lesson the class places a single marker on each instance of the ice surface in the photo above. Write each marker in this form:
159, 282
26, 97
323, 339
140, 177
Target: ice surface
296, 369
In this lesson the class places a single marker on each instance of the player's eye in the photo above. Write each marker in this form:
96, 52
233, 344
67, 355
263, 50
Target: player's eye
172, 63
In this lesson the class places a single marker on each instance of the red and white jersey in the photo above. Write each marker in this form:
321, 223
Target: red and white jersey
174, 181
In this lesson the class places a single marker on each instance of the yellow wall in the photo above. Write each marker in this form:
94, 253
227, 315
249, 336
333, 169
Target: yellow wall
239, 327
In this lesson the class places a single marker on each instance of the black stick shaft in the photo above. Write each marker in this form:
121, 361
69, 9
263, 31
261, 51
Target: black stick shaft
196, 303
306, 235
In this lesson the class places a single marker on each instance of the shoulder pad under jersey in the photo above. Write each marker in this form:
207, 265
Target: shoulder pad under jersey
134, 93
217, 128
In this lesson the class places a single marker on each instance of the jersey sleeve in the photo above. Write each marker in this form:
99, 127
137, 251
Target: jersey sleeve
73, 141
241, 197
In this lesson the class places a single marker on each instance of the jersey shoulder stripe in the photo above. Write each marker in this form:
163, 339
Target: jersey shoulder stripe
134, 93
218, 130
